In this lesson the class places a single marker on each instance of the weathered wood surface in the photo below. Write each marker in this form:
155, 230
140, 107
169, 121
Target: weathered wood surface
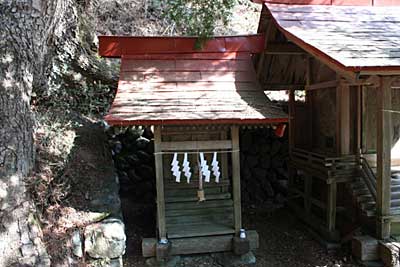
162, 91
196, 145
237, 205
384, 146
159, 184
362, 36
197, 245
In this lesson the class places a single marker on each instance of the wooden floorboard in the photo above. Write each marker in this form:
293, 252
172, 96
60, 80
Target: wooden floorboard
204, 229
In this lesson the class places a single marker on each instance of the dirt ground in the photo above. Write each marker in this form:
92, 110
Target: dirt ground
284, 241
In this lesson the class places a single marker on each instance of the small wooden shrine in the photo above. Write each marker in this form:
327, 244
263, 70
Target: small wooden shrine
196, 100
340, 62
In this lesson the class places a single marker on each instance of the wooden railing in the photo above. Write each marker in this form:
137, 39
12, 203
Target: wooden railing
329, 168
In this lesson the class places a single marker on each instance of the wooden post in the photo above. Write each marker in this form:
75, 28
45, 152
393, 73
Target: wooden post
159, 183
236, 178
359, 121
224, 161
384, 143
309, 103
331, 207
343, 119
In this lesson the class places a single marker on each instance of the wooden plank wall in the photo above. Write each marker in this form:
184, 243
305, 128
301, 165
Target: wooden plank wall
220, 213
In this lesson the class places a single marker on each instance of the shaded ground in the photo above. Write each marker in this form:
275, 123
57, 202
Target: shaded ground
74, 171
284, 241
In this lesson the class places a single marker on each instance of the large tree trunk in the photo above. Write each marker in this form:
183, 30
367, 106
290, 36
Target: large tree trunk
24, 53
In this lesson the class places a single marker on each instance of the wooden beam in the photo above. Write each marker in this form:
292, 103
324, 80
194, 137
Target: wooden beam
321, 85
195, 245
159, 184
237, 205
283, 86
196, 145
283, 49
384, 138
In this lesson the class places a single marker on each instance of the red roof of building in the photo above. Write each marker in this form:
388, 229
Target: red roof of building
355, 38
169, 82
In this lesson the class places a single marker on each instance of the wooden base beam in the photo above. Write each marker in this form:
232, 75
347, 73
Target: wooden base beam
197, 245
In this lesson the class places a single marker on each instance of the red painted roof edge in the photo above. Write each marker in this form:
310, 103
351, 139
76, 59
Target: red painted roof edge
333, 2
116, 46
114, 121
313, 50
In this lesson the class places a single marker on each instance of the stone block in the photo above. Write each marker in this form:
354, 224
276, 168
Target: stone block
105, 239
163, 250
240, 246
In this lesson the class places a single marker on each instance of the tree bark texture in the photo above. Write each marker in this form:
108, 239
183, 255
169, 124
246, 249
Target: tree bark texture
26, 30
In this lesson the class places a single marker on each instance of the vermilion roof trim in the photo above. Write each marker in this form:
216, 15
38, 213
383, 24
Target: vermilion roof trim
116, 46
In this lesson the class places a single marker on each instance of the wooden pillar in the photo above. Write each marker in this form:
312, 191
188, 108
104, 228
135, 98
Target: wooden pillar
384, 138
236, 178
309, 103
358, 143
159, 183
343, 119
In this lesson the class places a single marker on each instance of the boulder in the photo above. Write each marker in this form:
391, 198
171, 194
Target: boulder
105, 239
